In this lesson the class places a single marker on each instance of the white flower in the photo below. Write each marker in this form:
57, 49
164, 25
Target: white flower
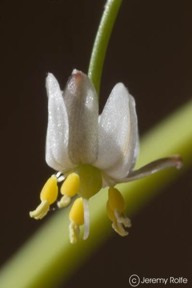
91, 151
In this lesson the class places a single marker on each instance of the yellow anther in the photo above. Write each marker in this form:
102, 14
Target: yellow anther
49, 191
48, 196
116, 201
110, 212
115, 211
71, 185
76, 214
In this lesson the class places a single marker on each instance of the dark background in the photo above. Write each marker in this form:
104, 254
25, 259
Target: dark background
150, 51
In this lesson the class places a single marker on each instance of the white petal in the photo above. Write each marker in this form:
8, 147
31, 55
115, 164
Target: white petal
82, 108
118, 134
57, 130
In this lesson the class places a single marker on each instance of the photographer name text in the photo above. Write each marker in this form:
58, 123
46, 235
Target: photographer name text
173, 280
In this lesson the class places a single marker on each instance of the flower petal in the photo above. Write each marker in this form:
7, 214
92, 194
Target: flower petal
82, 107
118, 134
57, 129
154, 167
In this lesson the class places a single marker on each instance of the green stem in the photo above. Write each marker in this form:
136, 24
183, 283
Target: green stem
49, 257
101, 41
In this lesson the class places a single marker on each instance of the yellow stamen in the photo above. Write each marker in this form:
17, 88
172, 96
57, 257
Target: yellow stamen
116, 200
115, 211
71, 185
48, 196
49, 191
69, 188
64, 201
40, 211
76, 214
76, 217
110, 212
74, 233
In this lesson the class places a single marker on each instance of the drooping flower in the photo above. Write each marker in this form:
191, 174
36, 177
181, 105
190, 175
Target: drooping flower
90, 151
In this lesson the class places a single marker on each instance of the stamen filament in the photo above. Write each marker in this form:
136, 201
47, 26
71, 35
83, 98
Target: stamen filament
74, 232
64, 201
86, 218
40, 211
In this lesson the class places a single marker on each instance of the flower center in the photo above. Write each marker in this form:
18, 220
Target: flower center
90, 180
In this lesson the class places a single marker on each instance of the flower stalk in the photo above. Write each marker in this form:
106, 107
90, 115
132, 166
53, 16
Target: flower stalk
101, 41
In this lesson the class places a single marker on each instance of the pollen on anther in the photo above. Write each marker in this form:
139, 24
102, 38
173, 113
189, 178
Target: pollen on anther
76, 214
49, 191
71, 185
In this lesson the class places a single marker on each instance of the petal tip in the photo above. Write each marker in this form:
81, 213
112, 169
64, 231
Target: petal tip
76, 72
120, 85
49, 77
51, 84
